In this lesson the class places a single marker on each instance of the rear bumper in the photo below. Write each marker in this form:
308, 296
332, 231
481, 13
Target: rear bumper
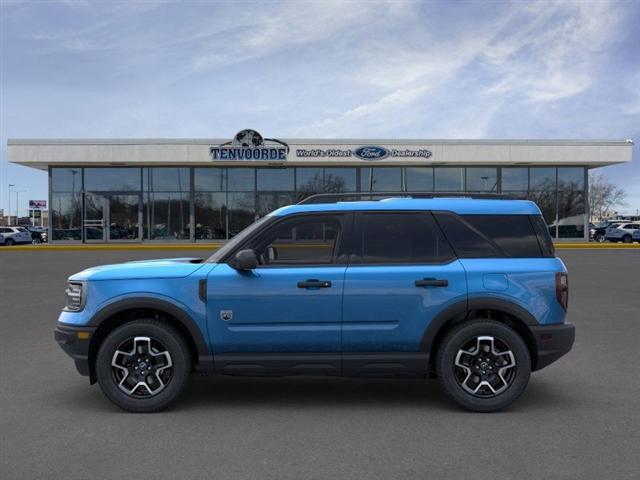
552, 341
75, 343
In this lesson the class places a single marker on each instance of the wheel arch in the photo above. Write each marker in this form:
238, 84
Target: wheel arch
124, 311
503, 311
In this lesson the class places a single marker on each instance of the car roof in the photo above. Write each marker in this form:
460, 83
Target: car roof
462, 206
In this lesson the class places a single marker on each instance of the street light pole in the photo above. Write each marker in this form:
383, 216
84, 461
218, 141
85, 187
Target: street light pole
18, 192
9, 212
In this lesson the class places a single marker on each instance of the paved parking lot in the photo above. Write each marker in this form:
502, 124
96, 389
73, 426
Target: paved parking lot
580, 418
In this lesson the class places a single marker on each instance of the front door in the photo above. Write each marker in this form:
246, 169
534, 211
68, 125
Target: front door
286, 314
402, 273
111, 217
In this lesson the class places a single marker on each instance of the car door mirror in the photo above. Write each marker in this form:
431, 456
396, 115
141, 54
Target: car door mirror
246, 260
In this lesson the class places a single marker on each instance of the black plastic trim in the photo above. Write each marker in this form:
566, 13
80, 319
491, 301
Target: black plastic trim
484, 303
78, 349
204, 359
552, 341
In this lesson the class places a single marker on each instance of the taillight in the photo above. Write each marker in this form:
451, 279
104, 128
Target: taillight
562, 289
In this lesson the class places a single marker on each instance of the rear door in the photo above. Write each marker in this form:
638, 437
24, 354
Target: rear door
402, 273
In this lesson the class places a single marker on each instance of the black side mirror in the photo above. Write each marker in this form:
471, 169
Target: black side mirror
246, 260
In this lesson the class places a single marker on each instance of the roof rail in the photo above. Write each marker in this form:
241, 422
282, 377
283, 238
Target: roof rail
358, 196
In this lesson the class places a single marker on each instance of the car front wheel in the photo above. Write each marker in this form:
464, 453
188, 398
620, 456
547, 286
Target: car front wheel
626, 239
599, 238
483, 365
143, 366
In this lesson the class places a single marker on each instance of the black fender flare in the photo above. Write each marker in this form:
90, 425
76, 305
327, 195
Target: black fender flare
463, 307
204, 360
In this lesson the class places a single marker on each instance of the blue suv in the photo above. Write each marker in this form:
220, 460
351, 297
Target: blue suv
466, 290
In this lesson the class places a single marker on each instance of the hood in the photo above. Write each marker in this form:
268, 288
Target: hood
141, 269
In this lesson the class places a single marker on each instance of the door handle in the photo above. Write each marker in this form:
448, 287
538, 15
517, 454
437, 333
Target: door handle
313, 283
432, 282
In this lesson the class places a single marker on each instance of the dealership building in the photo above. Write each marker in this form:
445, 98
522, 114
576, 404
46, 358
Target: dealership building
203, 190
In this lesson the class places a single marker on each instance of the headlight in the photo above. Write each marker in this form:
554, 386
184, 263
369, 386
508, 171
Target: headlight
75, 298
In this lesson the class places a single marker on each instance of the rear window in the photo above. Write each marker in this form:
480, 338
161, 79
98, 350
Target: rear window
493, 236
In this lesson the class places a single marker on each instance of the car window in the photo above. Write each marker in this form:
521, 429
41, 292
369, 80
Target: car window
5, 230
396, 238
301, 240
493, 236
21, 229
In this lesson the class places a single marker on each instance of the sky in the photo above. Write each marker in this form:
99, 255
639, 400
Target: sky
374, 69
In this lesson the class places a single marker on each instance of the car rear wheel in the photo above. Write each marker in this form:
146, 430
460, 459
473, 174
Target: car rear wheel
626, 239
599, 238
36, 241
9, 242
143, 366
483, 365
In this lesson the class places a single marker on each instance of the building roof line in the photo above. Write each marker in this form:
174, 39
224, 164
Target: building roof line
318, 141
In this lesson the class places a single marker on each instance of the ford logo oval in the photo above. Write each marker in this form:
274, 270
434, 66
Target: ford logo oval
371, 153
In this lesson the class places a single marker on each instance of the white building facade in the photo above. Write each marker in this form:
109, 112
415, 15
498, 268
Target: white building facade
199, 190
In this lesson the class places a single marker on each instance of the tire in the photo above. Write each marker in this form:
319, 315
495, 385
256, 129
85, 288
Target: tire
9, 242
493, 392
164, 377
599, 238
626, 239
36, 241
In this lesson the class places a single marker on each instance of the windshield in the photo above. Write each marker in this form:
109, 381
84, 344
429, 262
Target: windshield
235, 241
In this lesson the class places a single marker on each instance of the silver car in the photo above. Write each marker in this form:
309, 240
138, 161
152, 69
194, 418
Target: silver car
15, 235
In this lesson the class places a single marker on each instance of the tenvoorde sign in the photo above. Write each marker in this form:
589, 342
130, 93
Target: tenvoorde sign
249, 145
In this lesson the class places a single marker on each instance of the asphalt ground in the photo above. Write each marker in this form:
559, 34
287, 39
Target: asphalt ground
579, 418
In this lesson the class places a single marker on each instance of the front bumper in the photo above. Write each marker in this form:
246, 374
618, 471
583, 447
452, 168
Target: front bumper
75, 342
552, 341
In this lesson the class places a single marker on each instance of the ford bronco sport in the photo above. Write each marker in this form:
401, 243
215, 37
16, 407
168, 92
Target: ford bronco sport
466, 290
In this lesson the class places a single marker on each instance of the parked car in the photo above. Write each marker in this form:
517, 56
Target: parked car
622, 232
38, 234
465, 290
15, 235
599, 232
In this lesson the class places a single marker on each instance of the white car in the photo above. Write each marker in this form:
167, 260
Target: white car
623, 232
15, 235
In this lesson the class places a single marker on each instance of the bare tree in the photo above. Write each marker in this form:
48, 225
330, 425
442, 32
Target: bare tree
604, 196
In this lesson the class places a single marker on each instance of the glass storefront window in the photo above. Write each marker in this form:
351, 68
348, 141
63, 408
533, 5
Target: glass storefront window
166, 179
570, 178
268, 202
241, 211
542, 178
66, 180
241, 179
66, 216
210, 216
166, 216
275, 179
112, 179
571, 214
449, 179
380, 179
418, 179
482, 179
309, 181
515, 179
209, 179
337, 180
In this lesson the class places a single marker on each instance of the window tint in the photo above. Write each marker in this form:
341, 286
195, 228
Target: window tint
493, 236
467, 241
307, 240
514, 234
544, 239
401, 238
